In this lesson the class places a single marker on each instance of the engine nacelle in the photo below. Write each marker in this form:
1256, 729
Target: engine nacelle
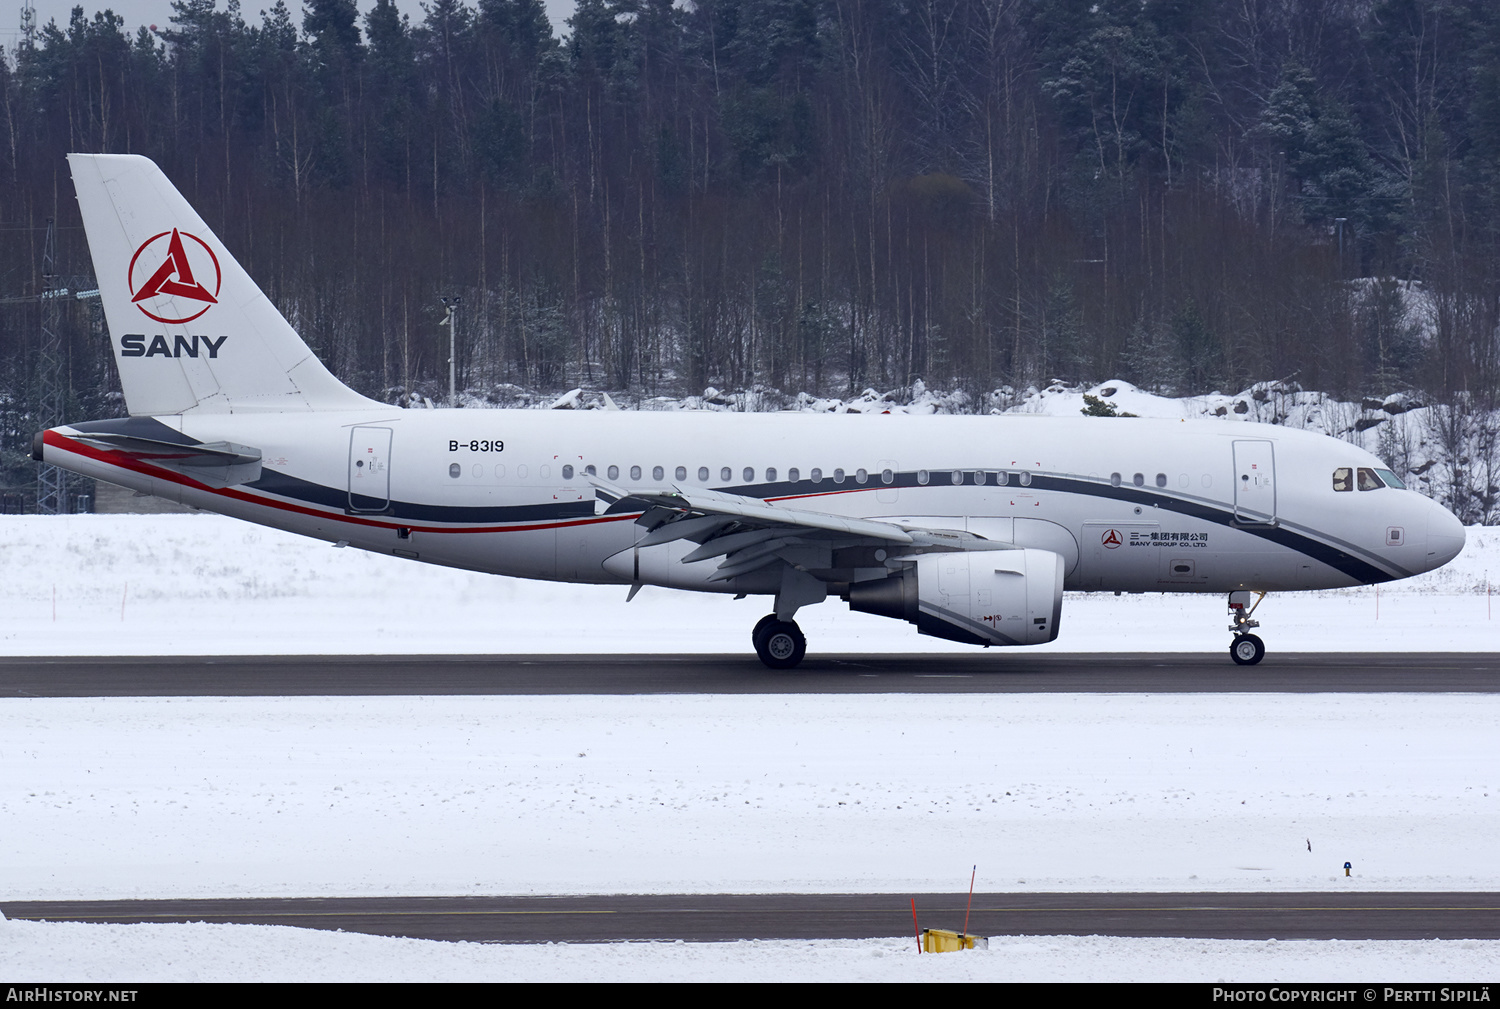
981, 597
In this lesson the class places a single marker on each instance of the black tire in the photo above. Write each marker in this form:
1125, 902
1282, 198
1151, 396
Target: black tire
780, 644
760, 628
1247, 649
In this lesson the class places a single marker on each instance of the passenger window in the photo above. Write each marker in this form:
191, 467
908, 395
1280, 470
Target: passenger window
838, 476
887, 477
703, 474
635, 472
793, 474
770, 474
1161, 479
657, 473
749, 474
1002, 478
613, 472
979, 478
1114, 479
1342, 479
726, 474
1368, 480
1025, 479
545, 471
922, 477
860, 476
957, 476
681, 473
817, 475
1139, 479
455, 470
590, 471
567, 472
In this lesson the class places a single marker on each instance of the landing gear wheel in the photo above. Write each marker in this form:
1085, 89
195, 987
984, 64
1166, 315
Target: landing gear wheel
1247, 649
779, 643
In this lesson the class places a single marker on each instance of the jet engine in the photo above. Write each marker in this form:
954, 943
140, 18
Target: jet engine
981, 597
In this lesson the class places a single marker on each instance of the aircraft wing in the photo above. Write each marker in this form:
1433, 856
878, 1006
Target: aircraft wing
751, 534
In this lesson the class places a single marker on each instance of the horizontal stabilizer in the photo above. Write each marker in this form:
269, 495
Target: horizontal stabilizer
215, 464
214, 453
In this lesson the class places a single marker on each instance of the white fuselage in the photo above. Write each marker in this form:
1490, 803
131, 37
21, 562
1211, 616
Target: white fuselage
1129, 504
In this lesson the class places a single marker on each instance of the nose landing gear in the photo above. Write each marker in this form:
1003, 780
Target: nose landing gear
1246, 649
779, 643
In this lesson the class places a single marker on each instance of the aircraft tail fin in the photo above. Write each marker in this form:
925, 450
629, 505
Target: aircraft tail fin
191, 332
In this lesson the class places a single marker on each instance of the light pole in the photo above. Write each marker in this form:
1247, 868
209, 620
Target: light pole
451, 321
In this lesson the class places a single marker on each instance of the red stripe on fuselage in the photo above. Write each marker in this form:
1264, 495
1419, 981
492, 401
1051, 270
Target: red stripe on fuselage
125, 462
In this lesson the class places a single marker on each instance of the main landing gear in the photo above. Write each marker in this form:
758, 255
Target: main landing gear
779, 643
1246, 649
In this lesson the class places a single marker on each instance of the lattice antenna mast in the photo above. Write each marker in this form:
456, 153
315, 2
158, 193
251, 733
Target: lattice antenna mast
51, 482
28, 26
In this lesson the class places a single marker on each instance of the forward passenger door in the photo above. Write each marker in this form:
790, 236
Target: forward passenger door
1254, 483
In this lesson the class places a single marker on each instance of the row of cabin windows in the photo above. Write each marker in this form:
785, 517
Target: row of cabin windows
978, 477
1139, 480
861, 476
1346, 478
726, 474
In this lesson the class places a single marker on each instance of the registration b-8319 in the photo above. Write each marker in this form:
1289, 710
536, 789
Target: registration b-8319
476, 445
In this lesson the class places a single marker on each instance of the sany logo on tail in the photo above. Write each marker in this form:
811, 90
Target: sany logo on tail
173, 278
134, 345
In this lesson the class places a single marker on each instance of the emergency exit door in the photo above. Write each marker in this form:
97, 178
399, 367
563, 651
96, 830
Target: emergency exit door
369, 469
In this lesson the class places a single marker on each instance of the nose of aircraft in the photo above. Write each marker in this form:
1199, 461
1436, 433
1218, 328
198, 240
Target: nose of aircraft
1445, 536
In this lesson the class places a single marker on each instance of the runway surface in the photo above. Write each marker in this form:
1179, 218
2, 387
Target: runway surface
719, 917
984, 672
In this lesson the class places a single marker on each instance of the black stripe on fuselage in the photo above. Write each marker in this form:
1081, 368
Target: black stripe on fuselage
1319, 550
307, 492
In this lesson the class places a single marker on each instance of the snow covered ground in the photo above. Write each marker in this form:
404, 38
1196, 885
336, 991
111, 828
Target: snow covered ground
158, 797
205, 584
348, 796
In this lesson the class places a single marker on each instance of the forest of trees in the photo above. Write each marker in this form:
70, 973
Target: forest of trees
814, 195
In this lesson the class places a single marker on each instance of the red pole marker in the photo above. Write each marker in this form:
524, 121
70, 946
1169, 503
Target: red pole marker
914, 925
971, 901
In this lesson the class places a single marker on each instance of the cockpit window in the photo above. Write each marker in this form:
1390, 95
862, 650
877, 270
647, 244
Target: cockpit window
1368, 480
1391, 479
1343, 479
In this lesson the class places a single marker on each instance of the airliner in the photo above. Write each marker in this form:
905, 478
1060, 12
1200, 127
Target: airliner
969, 527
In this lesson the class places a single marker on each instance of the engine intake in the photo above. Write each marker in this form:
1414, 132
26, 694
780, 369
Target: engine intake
982, 597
